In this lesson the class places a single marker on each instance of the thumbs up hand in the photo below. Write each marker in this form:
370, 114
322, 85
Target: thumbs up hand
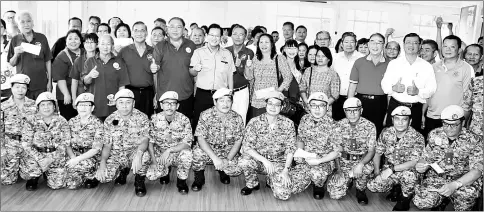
94, 73
399, 87
154, 67
248, 63
412, 90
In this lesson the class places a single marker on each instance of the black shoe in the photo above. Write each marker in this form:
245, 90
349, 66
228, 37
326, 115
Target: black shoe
442, 205
224, 178
166, 179
91, 183
199, 180
395, 193
121, 179
31, 184
403, 204
247, 191
350, 185
361, 197
139, 185
318, 192
182, 186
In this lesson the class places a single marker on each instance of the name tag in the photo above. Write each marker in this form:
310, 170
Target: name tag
224, 62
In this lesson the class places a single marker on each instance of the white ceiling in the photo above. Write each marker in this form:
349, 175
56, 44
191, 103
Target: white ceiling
456, 4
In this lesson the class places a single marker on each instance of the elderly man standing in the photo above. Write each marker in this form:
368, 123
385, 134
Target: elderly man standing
37, 67
172, 61
455, 157
214, 67
409, 81
125, 144
198, 37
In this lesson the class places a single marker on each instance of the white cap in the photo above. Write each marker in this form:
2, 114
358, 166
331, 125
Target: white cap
84, 97
274, 94
320, 96
45, 96
402, 111
452, 113
222, 92
20, 78
352, 103
124, 93
169, 95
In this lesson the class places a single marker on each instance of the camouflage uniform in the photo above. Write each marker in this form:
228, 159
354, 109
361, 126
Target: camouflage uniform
273, 144
41, 141
221, 133
407, 148
365, 138
466, 152
11, 147
317, 136
181, 132
125, 139
84, 138
473, 100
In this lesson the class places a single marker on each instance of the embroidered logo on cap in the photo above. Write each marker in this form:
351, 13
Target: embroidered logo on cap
188, 50
86, 97
454, 116
404, 112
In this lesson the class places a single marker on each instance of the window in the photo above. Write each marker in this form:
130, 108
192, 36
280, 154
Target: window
364, 23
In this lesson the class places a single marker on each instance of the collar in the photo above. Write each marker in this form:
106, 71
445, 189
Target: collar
458, 64
33, 36
133, 46
97, 56
382, 59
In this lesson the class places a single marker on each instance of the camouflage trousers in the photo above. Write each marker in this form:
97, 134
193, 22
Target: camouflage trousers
319, 173
338, 184
300, 180
56, 173
182, 160
119, 160
10, 157
200, 159
84, 170
463, 198
407, 179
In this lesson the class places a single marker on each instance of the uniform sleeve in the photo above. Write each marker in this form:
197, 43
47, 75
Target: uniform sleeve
123, 77
382, 142
467, 99
196, 58
239, 131
302, 129
63, 137
335, 85
108, 132
355, 74
303, 86
372, 136
250, 135
430, 84
418, 148
98, 135
187, 131
28, 139
476, 156
388, 78
60, 69
202, 128
153, 130
285, 72
291, 138
144, 130
427, 154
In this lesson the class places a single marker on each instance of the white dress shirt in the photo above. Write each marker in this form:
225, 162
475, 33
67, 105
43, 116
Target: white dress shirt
343, 65
421, 72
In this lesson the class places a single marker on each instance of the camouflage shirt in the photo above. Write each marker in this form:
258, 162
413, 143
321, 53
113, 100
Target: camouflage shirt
88, 135
439, 148
318, 135
180, 130
274, 141
126, 135
364, 134
408, 148
473, 101
37, 134
14, 116
221, 133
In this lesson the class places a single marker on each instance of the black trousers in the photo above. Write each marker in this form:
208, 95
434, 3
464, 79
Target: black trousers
374, 109
203, 101
143, 99
34, 94
66, 111
338, 112
415, 108
431, 124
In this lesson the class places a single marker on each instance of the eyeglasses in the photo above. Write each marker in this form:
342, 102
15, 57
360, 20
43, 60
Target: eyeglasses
84, 105
169, 104
238, 35
175, 27
313, 106
452, 126
353, 111
273, 105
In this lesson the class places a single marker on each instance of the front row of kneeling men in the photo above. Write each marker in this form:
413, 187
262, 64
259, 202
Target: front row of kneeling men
83, 151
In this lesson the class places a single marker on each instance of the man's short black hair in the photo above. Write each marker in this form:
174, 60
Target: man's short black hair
104, 24
193, 24
120, 20
160, 20
140, 22
256, 31
480, 38
74, 18
453, 37
95, 17
274, 32
432, 44
413, 35
289, 23
301, 26
215, 26
10, 11
178, 18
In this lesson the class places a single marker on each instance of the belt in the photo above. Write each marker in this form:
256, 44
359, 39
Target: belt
405, 104
207, 91
81, 150
138, 88
367, 96
351, 157
14, 137
46, 149
238, 89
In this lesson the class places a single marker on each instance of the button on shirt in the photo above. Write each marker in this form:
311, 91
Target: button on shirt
217, 66
138, 67
343, 65
451, 84
420, 71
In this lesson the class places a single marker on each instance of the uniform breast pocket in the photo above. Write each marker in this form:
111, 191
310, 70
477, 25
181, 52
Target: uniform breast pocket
224, 66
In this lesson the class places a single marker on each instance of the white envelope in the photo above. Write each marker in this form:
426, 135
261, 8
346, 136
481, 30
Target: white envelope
30, 48
262, 93
437, 168
123, 41
300, 153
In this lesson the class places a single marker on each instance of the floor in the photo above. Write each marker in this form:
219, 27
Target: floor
215, 196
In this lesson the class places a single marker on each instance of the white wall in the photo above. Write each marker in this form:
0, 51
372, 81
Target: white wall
52, 16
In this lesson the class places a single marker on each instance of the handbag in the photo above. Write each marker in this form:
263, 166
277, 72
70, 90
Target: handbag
290, 105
